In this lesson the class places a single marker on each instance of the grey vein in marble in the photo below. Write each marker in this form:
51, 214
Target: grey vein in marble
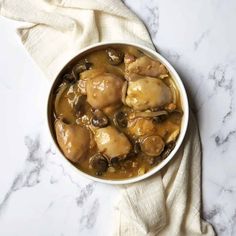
222, 140
89, 218
201, 39
218, 75
65, 174
84, 194
153, 19
209, 215
30, 175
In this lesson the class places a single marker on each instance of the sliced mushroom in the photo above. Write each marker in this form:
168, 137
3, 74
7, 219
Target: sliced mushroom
99, 119
167, 150
147, 93
176, 116
104, 90
160, 118
81, 67
68, 78
80, 105
112, 143
115, 56
74, 140
120, 119
152, 145
136, 148
98, 162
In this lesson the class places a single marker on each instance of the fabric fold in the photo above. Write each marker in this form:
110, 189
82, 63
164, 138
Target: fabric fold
138, 209
62, 28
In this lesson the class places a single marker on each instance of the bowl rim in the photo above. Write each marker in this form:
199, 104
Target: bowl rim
184, 124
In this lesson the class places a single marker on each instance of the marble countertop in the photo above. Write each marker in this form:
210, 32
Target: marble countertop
39, 197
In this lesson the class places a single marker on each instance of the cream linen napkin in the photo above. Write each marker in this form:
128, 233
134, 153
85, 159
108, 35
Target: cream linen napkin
165, 204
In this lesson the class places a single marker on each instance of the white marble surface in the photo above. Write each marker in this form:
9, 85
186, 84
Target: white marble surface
39, 197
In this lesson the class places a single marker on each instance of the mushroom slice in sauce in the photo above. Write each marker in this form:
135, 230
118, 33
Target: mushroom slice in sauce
115, 56
120, 119
147, 93
73, 139
104, 90
112, 143
167, 150
99, 119
152, 145
98, 162
81, 67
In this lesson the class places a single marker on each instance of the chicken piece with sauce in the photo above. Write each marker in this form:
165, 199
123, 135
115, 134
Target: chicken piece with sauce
73, 139
112, 143
143, 66
104, 90
147, 93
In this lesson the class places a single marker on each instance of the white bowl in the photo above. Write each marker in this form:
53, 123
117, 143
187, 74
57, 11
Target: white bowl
184, 102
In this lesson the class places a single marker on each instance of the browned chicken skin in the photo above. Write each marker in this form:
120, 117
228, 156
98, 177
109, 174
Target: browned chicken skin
143, 66
112, 143
146, 93
104, 90
74, 140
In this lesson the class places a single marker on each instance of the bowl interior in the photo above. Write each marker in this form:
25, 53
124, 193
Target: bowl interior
183, 98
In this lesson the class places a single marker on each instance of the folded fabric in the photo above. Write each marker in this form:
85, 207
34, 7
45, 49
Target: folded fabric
167, 203
61, 28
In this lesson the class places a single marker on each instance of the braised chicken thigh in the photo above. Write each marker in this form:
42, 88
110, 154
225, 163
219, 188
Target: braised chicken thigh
112, 143
146, 93
67, 136
143, 66
104, 90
